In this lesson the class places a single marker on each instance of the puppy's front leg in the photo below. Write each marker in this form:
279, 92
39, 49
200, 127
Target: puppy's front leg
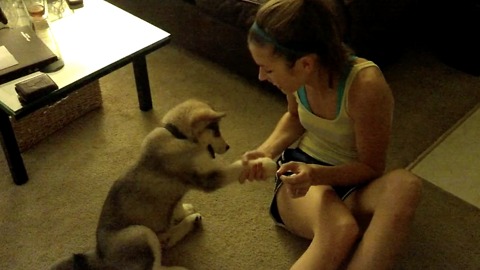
234, 170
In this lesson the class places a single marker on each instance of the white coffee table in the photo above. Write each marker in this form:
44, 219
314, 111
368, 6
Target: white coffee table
93, 41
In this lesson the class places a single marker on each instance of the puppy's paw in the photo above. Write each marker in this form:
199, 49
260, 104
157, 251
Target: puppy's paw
182, 210
195, 219
269, 166
180, 230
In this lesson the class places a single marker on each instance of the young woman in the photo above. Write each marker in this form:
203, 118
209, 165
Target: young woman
331, 187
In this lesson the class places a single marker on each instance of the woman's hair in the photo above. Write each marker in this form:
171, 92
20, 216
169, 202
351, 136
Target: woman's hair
296, 28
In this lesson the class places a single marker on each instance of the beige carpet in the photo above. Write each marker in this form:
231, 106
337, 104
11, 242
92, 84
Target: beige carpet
55, 213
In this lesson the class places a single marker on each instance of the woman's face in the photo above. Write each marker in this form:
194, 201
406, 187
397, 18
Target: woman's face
275, 69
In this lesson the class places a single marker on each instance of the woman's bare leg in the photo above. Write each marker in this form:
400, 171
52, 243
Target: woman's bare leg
392, 200
322, 217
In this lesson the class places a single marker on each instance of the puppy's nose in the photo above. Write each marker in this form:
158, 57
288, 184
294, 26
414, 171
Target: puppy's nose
227, 147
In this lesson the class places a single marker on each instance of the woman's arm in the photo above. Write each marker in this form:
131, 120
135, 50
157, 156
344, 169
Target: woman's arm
287, 131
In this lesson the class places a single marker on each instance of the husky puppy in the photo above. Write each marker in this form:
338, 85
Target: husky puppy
143, 212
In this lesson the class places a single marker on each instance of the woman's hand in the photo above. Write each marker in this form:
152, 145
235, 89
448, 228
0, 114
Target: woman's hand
253, 170
297, 178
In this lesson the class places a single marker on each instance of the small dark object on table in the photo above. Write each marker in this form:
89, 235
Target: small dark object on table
74, 4
34, 88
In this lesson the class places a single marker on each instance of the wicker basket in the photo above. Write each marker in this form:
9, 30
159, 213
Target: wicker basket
45, 121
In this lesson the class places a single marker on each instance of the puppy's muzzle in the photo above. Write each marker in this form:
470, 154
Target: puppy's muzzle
212, 151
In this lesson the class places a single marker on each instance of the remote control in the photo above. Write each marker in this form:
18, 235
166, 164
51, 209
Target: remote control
74, 4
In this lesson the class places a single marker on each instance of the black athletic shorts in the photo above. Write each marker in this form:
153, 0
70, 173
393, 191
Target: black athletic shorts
295, 154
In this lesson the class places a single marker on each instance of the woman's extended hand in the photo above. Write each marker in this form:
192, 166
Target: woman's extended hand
252, 170
297, 178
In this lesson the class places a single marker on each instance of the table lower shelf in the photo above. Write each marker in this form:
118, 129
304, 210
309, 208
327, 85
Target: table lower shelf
38, 125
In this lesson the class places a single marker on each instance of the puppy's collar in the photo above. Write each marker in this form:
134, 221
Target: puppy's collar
179, 135
175, 131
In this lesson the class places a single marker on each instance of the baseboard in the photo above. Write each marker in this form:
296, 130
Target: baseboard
442, 138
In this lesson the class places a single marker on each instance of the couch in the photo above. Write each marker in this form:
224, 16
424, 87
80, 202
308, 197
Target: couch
216, 29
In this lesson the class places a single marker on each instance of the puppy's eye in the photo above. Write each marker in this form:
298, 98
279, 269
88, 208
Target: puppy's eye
215, 128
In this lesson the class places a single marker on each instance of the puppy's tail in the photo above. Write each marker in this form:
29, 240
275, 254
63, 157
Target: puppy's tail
80, 261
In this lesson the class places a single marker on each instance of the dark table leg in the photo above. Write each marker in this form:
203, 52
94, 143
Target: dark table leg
143, 85
11, 150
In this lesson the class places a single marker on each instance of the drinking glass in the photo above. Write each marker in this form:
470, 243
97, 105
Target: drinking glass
37, 9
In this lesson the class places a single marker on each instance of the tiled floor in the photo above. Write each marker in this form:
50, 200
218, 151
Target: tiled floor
454, 163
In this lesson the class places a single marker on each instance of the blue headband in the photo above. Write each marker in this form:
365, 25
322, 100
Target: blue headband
267, 38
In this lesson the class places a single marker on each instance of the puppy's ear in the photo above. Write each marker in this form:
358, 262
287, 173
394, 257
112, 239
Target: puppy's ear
207, 115
219, 115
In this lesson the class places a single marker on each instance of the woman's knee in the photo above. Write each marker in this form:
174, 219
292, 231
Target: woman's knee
341, 237
403, 188
348, 228
341, 229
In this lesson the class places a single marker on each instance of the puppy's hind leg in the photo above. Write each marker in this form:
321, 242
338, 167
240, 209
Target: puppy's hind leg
135, 247
179, 231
